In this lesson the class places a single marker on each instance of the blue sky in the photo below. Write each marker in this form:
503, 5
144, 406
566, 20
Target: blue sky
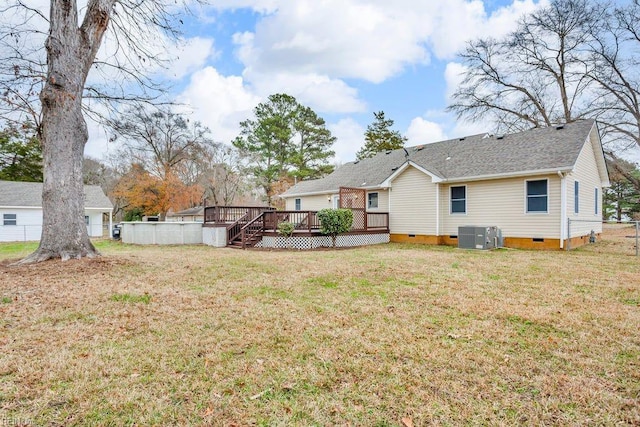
343, 58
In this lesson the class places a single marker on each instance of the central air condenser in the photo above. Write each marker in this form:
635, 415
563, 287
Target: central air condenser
472, 237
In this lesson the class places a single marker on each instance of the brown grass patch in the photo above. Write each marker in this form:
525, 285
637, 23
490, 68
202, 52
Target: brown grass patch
370, 336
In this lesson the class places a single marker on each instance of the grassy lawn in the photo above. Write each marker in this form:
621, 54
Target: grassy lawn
391, 335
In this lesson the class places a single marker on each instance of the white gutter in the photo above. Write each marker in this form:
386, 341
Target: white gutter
510, 175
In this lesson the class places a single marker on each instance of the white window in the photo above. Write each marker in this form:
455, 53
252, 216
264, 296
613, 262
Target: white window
298, 203
9, 219
576, 197
459, 199
372, 200
537, 195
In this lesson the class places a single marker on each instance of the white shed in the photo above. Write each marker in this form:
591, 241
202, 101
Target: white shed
21, 210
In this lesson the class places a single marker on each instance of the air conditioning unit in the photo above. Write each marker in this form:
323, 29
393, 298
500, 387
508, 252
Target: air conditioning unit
472, 237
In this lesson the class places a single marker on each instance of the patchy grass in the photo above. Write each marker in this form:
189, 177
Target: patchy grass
145, 298
369, 336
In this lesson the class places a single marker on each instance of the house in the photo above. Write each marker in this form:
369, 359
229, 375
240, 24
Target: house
533, 185
195, 214
21, 210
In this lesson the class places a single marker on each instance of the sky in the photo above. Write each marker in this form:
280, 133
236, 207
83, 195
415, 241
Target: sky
343, 58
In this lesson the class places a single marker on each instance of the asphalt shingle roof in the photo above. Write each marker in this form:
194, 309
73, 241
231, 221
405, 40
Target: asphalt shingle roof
29, 194
542, 149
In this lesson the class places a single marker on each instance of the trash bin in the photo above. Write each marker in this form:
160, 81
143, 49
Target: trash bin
115, 233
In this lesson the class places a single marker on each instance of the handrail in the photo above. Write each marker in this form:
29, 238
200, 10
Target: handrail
255, 232
230, 236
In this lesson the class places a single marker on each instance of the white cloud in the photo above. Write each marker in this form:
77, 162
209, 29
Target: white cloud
370, 40
350, 138
193, 55
458, 21
422, 131
319, 92
453, 76
466, 128
219, 102
341, 39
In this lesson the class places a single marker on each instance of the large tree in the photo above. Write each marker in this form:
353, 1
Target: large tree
73, 39
380, 137
20, 154
622, 199
537, 75
160, 139
221, 171
169, 147
285, 139
141, 191
616, 64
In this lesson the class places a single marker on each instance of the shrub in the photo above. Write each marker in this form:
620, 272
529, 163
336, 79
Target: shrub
286, 228
334, 222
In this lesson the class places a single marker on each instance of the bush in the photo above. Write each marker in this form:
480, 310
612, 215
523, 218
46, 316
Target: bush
286, 228
334, 222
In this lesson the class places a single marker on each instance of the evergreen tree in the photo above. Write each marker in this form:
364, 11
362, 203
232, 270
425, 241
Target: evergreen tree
20, 154
379, 137
285, 139
622, 199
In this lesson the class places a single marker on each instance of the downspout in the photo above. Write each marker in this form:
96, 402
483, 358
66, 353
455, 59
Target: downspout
438, 210
563, 208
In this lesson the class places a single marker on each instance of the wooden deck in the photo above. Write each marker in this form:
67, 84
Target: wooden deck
247, 224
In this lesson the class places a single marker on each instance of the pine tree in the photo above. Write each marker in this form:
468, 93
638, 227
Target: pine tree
379, 137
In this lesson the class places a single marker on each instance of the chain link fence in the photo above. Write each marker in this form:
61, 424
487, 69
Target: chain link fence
30, 233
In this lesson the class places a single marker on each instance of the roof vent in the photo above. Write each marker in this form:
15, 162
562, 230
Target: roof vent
461, 139
559, 127
388, 151
419, 147
487, 135
356, 162
395, 168
499, 136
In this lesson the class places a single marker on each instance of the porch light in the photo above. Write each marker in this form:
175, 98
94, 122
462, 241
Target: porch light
329, 198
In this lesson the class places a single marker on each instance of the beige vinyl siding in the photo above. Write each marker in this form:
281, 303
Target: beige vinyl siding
309, 203
586, 173
383, 201
502, 202
413, 204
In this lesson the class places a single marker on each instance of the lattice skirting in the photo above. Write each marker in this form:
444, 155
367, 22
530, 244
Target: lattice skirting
313, 242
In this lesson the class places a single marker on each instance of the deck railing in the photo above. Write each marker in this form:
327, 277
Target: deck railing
231, 214
246, 222
307, 221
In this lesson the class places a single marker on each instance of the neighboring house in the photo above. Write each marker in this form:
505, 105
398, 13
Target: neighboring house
195, 214
21, 210
528, 184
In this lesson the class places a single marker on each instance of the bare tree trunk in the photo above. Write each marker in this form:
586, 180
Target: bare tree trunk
70, 52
